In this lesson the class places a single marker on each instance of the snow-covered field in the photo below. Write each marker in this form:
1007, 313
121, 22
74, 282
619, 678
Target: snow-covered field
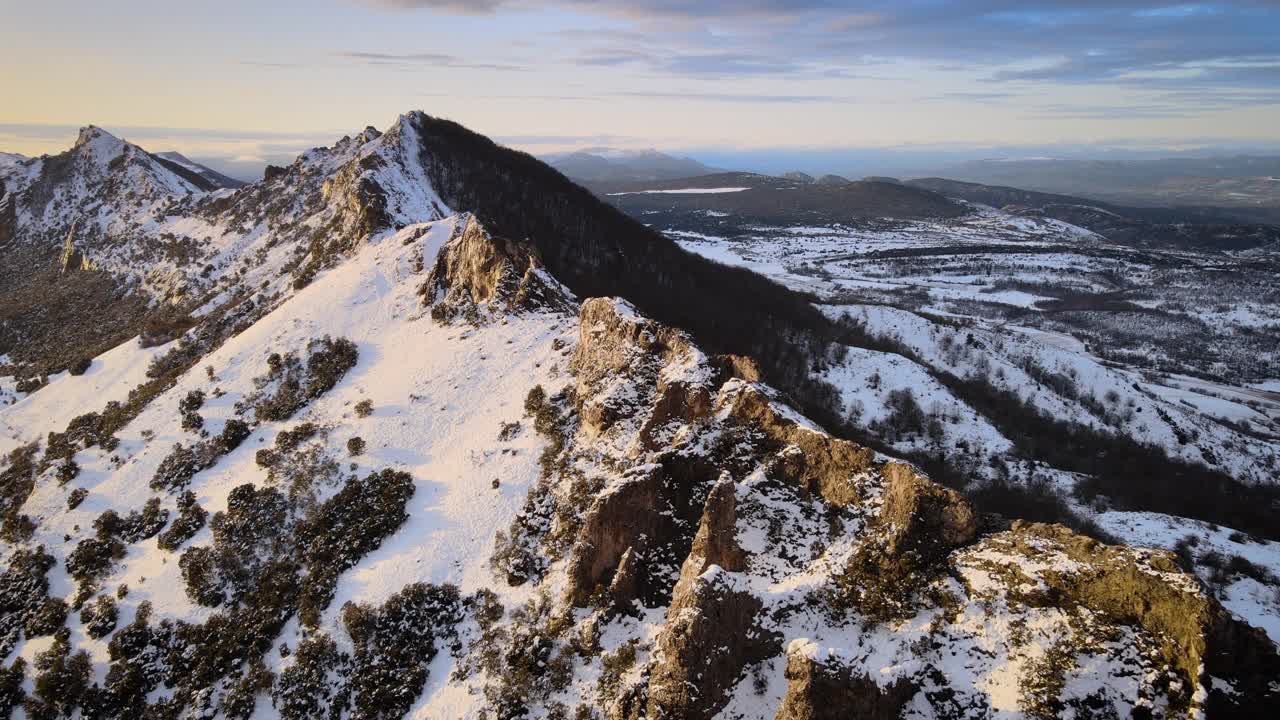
895, 279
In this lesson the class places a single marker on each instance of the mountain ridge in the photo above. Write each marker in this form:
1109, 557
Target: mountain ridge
414, 337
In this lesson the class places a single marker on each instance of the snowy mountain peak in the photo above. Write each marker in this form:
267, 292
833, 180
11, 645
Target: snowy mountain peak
98, 144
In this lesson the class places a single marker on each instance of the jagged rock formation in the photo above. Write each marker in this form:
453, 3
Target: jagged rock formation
72, 260
475, 270
779, 529
818, 690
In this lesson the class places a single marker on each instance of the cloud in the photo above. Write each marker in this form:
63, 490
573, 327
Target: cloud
746, 98
431, 59
1009, 41
468, 7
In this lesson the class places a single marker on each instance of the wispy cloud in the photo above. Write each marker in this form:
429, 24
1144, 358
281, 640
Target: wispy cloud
427, 59
1142, 44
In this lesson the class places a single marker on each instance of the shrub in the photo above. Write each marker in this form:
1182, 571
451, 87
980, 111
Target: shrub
300, 470
80, 367
233, 433
11, 692
205, 585
67, 471
191, 402
614, 665
327, 361
48, 618
346, 527
17, 528
93, 558
247, 536
355, 446
394, 645
534, 400
289, 440
177, 468
145, 524
523, 658
307, 688
192, 421
164, 328
24, 587
364, 408
137, 663
18, 480
191, 517
76, 497
99, 617
240, 700
61, 680
266, 457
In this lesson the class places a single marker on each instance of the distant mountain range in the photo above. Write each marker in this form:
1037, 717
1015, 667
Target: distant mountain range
1243, 181
614, 165
208, 174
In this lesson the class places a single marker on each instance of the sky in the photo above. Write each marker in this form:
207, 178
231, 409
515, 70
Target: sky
242, 83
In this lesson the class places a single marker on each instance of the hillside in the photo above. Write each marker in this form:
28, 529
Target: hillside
1150, 227
769, 198
441, 434
613, 165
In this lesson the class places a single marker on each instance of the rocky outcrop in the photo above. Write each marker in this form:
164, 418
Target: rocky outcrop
827, 689
72, 258
617, 524
816, 462
1195, 636
715, 544
8, 215
615, 341
358, 197
477, 274
712, 634
922, 516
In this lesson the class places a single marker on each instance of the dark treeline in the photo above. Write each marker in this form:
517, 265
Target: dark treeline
1132, 475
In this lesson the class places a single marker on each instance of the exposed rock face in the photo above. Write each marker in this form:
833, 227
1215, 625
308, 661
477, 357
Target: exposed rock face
712, 634
476, 274
8, 215
779, 530
820, 464
358, 196
72, 259
1146, 588
715, 544
922, 516
616, 341
831, 690
616, 525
